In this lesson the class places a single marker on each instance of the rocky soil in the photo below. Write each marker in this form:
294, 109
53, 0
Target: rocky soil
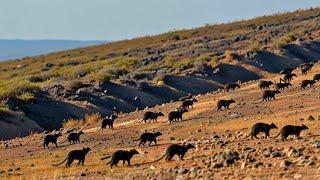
223, 150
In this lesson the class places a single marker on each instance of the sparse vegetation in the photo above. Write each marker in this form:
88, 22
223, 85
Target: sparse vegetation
93, 118
77, 123
180, 50
74, 85
16, 88
26, 97
73, 123
255, 47
286, 39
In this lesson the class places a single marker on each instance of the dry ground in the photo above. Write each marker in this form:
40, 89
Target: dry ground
24, 158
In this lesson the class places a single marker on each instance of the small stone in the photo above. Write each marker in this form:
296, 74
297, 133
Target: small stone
311, 118
183, 171
217, 165
234, 115
258, 164
243, 165
172, 138
215, 136
310, 163
267, 153
285, 163
297, 176
276, 154
194, 170
199, 130
317, 144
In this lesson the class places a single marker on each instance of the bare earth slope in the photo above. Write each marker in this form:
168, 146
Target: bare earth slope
214, 134
148, 71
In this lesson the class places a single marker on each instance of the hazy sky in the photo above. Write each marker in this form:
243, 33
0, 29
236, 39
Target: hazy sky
120, 19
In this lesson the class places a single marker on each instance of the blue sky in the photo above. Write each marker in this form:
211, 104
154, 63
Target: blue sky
121, 19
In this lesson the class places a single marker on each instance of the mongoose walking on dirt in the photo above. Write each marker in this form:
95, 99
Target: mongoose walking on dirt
121, 155
75, 155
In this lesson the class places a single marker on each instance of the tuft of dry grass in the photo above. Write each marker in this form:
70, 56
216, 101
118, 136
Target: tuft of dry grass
73, 123
26, 97
92, 118
77, 123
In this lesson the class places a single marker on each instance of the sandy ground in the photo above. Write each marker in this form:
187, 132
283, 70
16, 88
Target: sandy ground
25, 158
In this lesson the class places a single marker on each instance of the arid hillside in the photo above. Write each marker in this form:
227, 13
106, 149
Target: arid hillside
223, 148
144, 72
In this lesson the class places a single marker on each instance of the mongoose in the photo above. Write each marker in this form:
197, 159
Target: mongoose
286, 71
306, 83
121, 155
316, 77
49, 138
189, 96
152, 116
75, 155
176, 115
288, 77
231, 86
269, 94
305, 68
291, 130
147, 136
116, 111
189, 102
264, 84
74, 137
224, 103
176, 149
261, 127
108, 122
282, 85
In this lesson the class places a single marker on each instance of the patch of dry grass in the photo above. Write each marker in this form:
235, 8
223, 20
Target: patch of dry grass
77, 123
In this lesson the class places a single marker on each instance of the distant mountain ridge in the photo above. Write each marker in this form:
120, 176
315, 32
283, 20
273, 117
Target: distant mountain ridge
13, 49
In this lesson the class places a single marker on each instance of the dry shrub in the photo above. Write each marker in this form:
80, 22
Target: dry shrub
73, 123
92, 118
27, 97
76, 123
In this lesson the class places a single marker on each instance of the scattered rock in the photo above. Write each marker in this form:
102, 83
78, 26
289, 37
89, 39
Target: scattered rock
291, 152
258, 164
297, 176
276, 154
183, 171
311, 118
194, 170
267, 153
317, 144
217, 165
285, 163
